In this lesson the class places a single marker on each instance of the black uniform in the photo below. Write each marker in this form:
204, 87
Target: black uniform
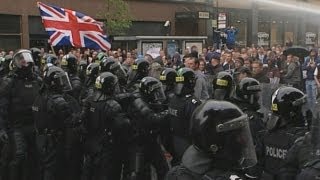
180, 108
146, 150
17, 93
285, 126
108, 131
215, 128
54, 119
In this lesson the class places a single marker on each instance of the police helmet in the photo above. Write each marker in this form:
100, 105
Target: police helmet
247, 90
22, 59
118, 70
92, 71
222, 86
52, 59
168, 78
56, 79
286, 100
106, 83
185, 82
69, 63
221, 129
106, 63
151, 88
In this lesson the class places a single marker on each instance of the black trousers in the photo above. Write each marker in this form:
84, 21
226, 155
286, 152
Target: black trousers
24, 164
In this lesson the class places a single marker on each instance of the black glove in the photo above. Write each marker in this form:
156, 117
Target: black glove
3, 136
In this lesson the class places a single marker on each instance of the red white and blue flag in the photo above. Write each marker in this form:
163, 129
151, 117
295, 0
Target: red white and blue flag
71, 28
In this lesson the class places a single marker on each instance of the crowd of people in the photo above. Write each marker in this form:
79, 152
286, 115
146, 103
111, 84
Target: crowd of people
117, 115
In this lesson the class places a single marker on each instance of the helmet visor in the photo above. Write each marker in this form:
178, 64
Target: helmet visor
242, 137
219, 94
23, 59
64, 82
158, 93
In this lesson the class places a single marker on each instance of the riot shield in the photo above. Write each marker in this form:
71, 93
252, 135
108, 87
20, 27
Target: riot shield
315, 130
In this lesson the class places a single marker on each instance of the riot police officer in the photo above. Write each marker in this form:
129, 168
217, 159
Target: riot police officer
168, 80
222, 86
92, 73
82, 70
53, 116
107, 131
181, 107
146, 119
69, 63
17, 93
246, 97
285, 126
138, 70
217, 129
106, 63
118, 70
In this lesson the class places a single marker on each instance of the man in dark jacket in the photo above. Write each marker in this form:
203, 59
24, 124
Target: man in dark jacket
258, 73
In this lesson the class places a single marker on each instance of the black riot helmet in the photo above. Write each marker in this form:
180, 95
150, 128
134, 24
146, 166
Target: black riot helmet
248, 91
36, 52
221, 129
69, 63
92, 72
168, 78
118, 70
106, 63
52, 59
152, 90
22, 63
185, 82
106, 83
56, 79
5, 64
222, 86
82, 70
139, 70
286, 106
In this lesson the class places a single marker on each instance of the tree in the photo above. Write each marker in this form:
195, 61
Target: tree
117, 16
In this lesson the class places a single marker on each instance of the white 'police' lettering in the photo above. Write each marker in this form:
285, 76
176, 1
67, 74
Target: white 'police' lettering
173, 112
276, 152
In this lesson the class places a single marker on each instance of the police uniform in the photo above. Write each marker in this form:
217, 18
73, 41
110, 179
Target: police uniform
16, 98
145, 149
180, 109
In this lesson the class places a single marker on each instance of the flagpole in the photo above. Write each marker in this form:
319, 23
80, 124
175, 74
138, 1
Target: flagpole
52, 49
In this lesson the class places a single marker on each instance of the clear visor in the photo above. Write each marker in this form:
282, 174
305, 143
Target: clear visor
178, 88
64, 82
219, 94
23, 59
158, 93
243, 139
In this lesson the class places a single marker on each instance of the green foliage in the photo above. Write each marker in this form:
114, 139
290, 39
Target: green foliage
117, 16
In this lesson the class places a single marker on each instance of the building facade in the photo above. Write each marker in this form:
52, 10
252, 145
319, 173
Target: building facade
20, 23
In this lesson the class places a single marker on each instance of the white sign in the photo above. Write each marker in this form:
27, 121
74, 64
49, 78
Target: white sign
310, 38
222, 21
263, 39
151, 48
154, 52
204, 15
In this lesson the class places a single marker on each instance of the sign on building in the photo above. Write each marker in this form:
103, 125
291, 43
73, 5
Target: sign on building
263, 39
311, 38
222, 20
204, 15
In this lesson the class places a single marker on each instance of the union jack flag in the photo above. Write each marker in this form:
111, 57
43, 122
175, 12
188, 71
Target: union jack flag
71, 28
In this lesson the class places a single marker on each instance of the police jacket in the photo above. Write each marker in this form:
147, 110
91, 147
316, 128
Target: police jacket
197, 165
276, 145
145, 120
104, 121
16, 98
52, 113
180, 111
76, 86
